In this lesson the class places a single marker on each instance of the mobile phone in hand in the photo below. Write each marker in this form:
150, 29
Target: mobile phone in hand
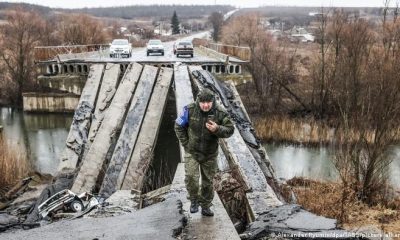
210, 118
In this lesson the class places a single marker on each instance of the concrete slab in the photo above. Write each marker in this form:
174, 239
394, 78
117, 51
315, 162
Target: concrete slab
130, 130
291, 221
183, 93
78, 132
162, 221
200, 227
141, 156
69, 83
106, 94
50, 102
107, 134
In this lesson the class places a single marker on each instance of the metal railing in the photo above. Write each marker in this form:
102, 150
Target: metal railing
45, 53
243, 53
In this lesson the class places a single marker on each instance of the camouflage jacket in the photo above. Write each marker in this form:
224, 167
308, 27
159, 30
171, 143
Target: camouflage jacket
190, 128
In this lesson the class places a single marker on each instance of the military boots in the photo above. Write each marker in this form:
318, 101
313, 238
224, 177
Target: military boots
194, 207
207, 212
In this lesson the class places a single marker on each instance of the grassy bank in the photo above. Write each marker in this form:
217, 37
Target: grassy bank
337, 201
13, 165
304, 131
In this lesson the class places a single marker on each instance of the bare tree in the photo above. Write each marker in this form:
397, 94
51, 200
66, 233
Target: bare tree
272, 67
49, 36
216, 20
19, 36
115, 30
78, 29
320, 74
367, 99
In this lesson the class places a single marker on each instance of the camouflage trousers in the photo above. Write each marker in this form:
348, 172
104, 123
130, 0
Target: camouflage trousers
203, 193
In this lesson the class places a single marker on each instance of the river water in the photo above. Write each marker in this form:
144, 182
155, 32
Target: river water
40, 136
316, 162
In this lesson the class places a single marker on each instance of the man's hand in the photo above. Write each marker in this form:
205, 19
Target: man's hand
212, 126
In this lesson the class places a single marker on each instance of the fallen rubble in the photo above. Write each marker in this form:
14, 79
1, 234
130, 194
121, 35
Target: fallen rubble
164, 220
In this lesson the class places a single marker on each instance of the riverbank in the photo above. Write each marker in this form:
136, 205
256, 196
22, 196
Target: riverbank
333, 200
13, 165
307, 131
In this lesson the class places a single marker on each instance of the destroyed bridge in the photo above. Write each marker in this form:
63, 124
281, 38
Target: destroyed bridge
116, 128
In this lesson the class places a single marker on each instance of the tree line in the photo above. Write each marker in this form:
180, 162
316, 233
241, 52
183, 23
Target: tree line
163, 12
26, 29
353, 84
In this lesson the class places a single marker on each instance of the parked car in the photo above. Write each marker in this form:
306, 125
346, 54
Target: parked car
155, 46
183, 48
120, 48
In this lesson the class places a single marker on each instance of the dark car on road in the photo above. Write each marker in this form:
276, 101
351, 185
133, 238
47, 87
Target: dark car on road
183, 48
155, 46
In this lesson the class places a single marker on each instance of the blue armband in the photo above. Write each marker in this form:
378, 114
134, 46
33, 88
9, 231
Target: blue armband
183, 119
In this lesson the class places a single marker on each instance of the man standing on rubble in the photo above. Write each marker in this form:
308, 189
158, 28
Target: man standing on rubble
198, 129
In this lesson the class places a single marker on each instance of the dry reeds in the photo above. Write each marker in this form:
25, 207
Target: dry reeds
334, 200
285, 129
306, 131
325, 198
13, 165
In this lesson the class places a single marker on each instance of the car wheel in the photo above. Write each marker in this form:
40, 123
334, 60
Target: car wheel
76, 206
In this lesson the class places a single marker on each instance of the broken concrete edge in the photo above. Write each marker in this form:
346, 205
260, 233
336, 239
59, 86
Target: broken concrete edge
293, 222
164, 220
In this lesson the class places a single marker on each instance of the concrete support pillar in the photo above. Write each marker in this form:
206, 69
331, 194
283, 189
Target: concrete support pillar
49, 69
238, 69
231, 69
217, 69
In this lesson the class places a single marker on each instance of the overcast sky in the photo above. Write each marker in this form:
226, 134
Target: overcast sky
237, 3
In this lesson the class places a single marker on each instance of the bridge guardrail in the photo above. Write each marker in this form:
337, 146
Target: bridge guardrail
44, 53
243, 53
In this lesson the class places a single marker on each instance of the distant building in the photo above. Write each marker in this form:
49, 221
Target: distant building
315, 14
275, 33
163, 28
301, 35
